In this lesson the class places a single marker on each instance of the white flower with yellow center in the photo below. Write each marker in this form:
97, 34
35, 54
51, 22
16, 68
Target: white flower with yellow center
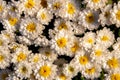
30, 7
89, 19
48, 54
99, 54
61, 40
115, 14
104, 17
23, 70
5, 58
31, 28
20, 55
95, 4
61, 24
44, 16
105, 37
70, 10
92, 72
88, 40
45, 71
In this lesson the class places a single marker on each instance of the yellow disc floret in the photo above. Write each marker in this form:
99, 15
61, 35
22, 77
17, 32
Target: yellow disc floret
62, 26
1, 58
21, 56
12, 21
118, 14
104, 38
71, 8
45, 71
98, 52
95, 1
90, 71
113, 63
31, 27
89, 18
115, 76
83, 60
29, 4
62, 42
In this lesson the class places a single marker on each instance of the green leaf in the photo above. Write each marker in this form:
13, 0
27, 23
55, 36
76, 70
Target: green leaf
119, 33
110, 1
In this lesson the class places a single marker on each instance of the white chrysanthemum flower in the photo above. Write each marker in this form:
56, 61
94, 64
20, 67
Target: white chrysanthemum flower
23, 70
104, 17
88, 40
95, 4
61, 40
11, 22
116, 46
44, 16
3, 9
115, 14
82, 60
20, 55
61, 24
24, 40
112, 63
70, 70
4, 73
5, 58
45, 71
8, 36
92, 72
35, 59
30, 7
105, 37
70, 10
89, 19
31, 28
98, 54
48, 54
41, 41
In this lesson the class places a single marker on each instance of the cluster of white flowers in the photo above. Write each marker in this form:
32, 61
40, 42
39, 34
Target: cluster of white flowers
57, 39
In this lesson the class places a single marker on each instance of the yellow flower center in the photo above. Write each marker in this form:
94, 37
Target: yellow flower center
71, 8
29, 4
62, 42
31, 27
113, 63
90, 41
62, 77
95, 1
1, 58
43, 16
118, 15
45, 71
107, 14
71, 69
115, 76
21, 57
90, 71
1, 8
23, 69
62, 26
12, 21
75, 47
105, 38
44, 3
83, 60
98, 52
47, 53
89, 18
1, 42
36, 59
56, 5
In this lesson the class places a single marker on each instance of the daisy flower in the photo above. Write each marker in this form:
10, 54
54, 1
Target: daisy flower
21, 54
61, 24
92, 72
31, 28
30, 7
115, 14
45, 71
88, 40
4, 73
104, 17
105, 37
44, 16
5, 58
48, 54
70, 10
60, 42
23, 70
89, 19
95, 4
